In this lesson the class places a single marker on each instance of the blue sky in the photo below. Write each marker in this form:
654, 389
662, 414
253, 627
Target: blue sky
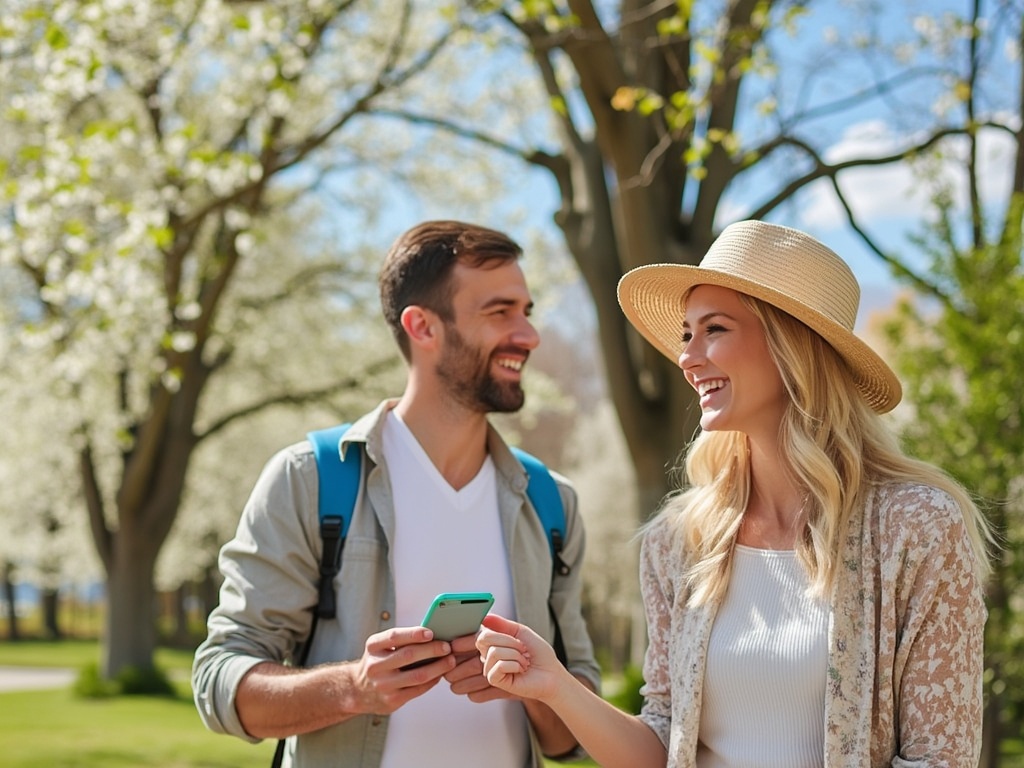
888, 201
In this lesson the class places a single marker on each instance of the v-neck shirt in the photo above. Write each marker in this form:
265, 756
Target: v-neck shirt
447, 540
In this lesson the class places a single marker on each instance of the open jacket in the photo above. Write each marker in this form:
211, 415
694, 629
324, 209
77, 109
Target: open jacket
905, 663
271, 571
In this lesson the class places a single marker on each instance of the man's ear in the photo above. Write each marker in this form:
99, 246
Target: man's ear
421, 325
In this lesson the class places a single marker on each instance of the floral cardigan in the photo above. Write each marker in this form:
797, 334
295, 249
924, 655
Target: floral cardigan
904, 683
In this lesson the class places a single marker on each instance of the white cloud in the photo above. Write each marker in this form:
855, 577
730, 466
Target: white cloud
892, 193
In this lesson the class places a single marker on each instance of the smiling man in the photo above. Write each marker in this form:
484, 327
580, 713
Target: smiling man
442, 508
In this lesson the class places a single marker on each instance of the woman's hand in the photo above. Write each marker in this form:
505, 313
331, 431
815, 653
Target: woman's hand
517, 660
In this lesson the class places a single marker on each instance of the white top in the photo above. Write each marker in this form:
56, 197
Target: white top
447, 541
764, 686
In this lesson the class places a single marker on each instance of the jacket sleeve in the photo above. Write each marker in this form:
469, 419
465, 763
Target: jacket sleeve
657, 590
939, 662
567, 592
270, 571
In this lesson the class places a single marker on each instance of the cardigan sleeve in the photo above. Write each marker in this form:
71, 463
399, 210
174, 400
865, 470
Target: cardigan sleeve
938, 655
656, 589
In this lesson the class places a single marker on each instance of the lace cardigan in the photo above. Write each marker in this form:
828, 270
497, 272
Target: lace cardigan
905, 639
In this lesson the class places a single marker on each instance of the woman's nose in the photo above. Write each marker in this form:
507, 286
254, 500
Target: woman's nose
691, 355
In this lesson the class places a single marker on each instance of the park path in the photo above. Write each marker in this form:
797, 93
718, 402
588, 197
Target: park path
34, 678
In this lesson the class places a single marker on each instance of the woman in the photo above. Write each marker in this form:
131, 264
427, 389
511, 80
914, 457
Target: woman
814, 597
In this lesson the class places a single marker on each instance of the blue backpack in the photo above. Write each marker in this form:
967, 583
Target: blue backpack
338, 487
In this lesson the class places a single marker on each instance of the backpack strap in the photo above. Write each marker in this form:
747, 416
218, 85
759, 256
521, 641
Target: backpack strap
337, 487
547, 502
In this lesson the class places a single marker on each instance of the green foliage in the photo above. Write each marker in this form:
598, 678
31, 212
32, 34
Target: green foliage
91, 684
130, 681
963, 363
144, 681
627, 697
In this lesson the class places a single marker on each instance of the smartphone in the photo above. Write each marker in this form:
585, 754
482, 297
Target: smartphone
454, 614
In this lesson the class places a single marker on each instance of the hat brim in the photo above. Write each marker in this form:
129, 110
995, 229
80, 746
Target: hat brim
653, 299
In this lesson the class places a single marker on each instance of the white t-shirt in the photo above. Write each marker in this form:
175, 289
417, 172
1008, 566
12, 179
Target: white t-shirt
447, 541
764, 685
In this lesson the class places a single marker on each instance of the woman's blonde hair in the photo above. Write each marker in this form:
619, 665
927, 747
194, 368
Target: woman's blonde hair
835, 446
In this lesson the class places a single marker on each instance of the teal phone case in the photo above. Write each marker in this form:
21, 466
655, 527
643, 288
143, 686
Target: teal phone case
454, 614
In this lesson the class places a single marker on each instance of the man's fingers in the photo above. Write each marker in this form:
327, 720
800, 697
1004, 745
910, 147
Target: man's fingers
397, 637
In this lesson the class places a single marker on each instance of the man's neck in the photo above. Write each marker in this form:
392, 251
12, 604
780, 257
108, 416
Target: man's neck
454, 438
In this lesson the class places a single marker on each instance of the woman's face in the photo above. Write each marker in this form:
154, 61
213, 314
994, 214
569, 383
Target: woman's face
725, 358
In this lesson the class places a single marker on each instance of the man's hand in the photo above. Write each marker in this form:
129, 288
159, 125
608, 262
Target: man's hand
467, 679
275, 701
380, 680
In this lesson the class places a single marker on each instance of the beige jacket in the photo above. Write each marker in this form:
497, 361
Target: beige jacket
905, 640
271, 570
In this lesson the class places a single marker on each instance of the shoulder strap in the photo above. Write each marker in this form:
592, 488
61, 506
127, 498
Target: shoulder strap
337, 488
547, 501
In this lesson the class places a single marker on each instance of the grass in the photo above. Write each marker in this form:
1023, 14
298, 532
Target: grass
76, 654
54, 729
43, 729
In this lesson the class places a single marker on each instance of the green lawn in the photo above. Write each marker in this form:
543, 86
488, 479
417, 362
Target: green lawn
77, 654
43, 729
54, 729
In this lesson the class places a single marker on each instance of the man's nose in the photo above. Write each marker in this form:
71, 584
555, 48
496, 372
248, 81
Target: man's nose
526, 335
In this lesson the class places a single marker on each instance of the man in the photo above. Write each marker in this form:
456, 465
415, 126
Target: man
442, 508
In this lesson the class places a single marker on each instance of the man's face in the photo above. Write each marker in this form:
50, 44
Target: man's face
488, 342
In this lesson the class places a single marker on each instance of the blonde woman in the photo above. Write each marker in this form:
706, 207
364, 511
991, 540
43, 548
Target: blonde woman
814, 597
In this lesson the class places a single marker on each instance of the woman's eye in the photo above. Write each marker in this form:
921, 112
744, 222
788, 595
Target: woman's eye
715, 328
687, 336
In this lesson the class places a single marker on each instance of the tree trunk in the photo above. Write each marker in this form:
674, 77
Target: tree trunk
130, 634
13, 631
991, 736
51, 622
181, 634
209, 590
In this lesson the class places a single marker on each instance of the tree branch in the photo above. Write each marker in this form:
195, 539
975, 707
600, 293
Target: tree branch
93, 497
295, 283
821, 169
922, 283
448, 126
298, 398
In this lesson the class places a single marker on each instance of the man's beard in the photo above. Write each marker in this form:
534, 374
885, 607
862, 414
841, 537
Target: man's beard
467, 373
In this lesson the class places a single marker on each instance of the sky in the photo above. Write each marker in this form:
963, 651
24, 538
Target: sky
889, 201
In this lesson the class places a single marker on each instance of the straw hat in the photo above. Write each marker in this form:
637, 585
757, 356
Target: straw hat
781, 266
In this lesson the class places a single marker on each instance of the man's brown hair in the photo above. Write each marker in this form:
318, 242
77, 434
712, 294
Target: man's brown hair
418, 268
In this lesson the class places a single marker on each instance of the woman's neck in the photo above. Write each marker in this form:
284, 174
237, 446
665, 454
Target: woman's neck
775, 513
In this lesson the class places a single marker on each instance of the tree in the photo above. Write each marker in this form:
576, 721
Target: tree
669, 119
672, 118
43, 536
958, 343
151, 155
963, 360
